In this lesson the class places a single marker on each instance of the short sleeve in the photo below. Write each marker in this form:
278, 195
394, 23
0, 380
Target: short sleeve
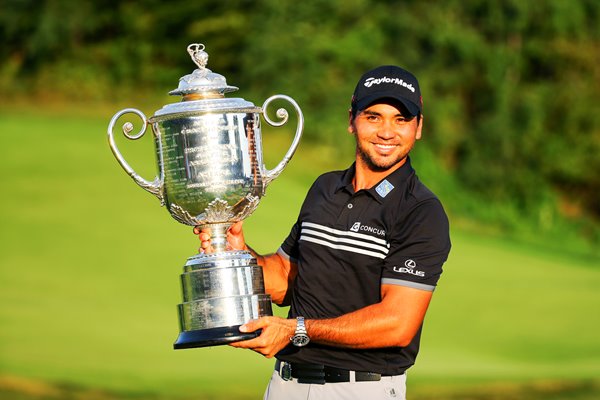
419, 246
289, 247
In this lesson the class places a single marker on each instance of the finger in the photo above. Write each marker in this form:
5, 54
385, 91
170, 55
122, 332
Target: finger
198, 230
204, 236
207, 248
236, 228
246, 344
253, 325
258, 345
255, 343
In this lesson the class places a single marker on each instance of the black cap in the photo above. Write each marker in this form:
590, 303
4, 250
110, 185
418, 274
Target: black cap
388, 81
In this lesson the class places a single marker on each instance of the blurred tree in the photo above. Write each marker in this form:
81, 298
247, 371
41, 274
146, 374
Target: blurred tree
510, 87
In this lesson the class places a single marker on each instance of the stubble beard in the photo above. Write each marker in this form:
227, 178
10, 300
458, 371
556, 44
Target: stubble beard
375, 165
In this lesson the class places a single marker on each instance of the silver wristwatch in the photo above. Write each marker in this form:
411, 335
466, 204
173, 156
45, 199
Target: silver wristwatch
300, 337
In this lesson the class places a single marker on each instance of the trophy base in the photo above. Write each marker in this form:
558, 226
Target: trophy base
212, 337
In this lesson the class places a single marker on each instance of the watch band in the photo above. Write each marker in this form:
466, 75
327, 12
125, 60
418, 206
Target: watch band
300, 337
300, 326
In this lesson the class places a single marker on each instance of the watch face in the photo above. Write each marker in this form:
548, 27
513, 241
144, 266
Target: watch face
300, 340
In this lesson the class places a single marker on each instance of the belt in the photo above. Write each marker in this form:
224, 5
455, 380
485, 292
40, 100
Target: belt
320, 374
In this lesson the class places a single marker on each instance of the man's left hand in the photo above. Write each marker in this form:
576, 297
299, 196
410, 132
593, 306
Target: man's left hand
275, 335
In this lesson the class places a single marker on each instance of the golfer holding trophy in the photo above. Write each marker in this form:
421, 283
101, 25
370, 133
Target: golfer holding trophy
211, 175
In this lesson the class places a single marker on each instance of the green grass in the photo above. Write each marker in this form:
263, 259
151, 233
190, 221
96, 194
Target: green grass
89, 269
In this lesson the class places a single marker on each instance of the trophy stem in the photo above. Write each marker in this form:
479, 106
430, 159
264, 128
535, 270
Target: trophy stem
218, 237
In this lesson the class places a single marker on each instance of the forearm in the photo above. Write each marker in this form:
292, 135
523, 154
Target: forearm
362, 329
384, 324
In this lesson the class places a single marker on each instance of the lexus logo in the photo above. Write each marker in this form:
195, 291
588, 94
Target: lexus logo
409, 268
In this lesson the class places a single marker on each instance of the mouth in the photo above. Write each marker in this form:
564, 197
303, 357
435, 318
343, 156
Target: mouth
385, 148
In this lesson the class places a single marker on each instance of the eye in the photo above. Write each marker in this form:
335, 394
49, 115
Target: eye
372, 118
403, 120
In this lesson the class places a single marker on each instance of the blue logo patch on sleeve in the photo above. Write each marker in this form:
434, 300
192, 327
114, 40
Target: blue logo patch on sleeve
384, 188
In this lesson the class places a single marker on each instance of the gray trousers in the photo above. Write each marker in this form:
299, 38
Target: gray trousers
388, 388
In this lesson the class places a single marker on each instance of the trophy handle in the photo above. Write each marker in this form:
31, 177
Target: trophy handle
282, 114
155, 187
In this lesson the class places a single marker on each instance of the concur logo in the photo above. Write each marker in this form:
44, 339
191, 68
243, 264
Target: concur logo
409, 268
360, 227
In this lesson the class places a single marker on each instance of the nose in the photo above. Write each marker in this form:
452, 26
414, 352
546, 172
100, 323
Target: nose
387, 130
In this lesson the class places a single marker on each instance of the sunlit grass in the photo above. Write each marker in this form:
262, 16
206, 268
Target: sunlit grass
90, 263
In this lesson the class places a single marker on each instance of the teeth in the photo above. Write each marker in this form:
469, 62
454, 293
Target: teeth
385, 146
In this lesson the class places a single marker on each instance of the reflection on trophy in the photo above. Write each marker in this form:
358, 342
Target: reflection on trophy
211, 175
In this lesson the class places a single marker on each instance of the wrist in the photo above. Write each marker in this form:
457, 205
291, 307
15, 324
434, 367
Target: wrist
251, 250
300, 337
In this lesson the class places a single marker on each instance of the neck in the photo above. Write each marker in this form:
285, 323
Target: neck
366, 178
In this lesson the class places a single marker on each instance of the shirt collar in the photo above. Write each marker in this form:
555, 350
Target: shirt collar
395, 180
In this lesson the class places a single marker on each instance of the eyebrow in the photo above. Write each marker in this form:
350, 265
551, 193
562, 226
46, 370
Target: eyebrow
376, 114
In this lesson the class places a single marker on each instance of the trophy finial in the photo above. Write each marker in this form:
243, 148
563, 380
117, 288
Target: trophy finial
199, 56
202, 83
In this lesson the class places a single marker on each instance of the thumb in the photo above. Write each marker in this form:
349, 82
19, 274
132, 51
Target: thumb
236, 228
251, 325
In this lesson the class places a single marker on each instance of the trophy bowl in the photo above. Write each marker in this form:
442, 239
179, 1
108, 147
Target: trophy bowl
211, 175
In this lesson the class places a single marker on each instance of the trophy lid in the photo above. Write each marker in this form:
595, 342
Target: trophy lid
203, 82
204, 90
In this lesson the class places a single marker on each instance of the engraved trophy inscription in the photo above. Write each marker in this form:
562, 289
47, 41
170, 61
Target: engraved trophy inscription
211, 174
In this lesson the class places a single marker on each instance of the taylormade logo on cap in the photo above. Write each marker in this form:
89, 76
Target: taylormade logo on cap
377, 81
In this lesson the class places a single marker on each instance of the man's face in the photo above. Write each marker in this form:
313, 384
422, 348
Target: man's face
384, 136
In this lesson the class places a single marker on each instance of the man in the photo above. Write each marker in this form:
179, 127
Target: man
361, 263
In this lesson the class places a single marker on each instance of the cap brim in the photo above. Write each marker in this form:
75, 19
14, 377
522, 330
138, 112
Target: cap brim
366, 101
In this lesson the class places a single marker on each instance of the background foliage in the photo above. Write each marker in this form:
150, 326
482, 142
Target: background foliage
510, 87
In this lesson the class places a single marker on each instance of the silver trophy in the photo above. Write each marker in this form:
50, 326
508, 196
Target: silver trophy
211, 175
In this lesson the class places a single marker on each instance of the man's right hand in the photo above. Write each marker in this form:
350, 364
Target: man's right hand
235, 238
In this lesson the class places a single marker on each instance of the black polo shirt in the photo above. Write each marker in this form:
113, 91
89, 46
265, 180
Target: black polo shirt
346, 244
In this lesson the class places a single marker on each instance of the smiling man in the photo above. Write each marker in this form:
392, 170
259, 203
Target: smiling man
360, 265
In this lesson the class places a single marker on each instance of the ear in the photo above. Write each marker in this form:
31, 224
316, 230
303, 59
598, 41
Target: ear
350, 122
420, 127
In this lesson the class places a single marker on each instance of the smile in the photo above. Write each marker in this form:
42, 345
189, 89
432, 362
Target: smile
385, 146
